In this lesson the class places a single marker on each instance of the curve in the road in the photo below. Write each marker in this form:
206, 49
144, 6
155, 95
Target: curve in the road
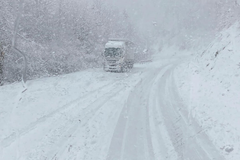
188, 142
132, 137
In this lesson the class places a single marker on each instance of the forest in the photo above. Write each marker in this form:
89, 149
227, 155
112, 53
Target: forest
40, 38
56, 37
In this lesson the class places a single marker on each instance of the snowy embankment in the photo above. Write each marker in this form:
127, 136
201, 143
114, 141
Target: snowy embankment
210, 86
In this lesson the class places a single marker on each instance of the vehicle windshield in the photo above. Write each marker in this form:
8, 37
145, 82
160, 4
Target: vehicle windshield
113, 52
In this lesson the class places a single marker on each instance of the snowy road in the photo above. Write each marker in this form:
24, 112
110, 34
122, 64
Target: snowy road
104, 116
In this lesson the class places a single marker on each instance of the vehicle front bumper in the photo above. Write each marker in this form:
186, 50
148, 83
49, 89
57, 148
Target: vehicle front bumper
116, 68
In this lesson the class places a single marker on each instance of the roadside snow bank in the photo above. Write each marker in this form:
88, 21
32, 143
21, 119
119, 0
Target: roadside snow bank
210, 86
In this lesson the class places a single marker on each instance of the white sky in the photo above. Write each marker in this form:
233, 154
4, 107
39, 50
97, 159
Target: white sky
143, 13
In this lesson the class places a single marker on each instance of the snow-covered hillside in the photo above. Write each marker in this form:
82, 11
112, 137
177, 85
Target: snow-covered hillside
210, 85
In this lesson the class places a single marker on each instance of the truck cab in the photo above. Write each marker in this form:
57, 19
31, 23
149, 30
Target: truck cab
118, 56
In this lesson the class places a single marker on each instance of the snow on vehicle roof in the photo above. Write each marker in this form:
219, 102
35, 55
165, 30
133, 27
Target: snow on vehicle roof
114, 44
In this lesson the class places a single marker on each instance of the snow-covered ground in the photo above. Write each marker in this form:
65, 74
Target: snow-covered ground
210, 85
175, 107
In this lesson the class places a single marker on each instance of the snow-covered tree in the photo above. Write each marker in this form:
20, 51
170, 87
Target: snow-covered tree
58, 36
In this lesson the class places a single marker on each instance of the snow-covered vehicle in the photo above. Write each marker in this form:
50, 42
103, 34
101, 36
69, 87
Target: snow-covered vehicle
118, 55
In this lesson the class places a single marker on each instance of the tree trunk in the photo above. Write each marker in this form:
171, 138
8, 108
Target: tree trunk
14, 41
1, 66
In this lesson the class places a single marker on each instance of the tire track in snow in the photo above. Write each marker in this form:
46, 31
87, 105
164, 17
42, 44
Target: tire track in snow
197, 147
132, 138
60, 138
162, 145
12, 137
96, 132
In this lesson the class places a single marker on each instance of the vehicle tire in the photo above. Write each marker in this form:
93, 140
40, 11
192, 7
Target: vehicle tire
131, 65
104, 68
124, 68
121, 70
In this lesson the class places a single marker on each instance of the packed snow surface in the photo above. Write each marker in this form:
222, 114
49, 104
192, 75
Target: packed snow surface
175, 107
